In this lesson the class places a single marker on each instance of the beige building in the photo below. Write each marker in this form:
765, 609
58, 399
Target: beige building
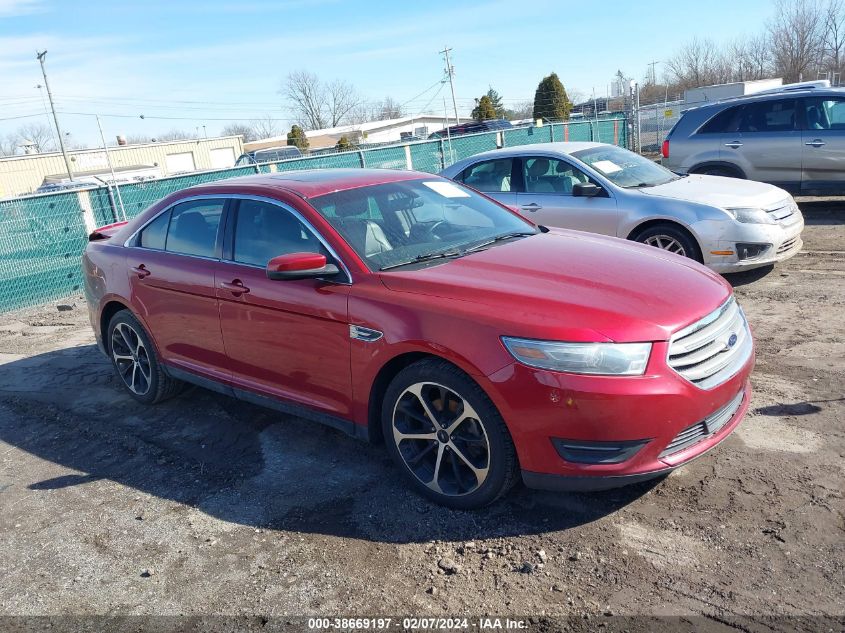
20, 175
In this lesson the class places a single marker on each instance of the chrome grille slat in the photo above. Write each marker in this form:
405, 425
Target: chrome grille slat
708, 332
701, 353
710, 425
787, 245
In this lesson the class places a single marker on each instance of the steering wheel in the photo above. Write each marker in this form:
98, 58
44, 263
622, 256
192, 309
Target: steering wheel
433, 229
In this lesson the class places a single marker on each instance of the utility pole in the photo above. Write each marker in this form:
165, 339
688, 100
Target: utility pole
40, 56
653, 72
450, 72
111, 167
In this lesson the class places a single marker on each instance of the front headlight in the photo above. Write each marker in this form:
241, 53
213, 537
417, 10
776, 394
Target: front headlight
609, 359
751, 216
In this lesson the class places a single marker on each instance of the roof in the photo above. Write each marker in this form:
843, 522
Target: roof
310, 183
543, 148
356, 127
784, 92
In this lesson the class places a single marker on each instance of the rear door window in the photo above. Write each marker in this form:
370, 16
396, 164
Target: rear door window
768, 116
193, 228
492, 176
154, 234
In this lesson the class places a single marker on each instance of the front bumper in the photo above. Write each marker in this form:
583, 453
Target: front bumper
655, 409
785, 242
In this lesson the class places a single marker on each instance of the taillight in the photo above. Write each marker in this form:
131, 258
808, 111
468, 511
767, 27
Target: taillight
664, 150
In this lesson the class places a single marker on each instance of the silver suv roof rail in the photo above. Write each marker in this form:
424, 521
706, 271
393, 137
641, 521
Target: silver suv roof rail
803, 85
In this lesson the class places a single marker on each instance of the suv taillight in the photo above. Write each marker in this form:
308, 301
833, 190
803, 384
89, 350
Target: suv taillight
664, 150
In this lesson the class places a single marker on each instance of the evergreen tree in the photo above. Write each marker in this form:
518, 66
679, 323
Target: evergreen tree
483, 109
344, 144
550, 100
297, 137
496, 100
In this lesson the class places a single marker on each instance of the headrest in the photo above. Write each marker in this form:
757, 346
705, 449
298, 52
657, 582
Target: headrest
351, 204
539, 167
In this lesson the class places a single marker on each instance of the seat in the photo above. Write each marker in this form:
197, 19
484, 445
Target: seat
814, 119
191, 234
536, 177
366, 236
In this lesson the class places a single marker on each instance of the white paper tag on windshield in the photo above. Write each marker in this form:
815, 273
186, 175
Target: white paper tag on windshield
606, 166
446, 189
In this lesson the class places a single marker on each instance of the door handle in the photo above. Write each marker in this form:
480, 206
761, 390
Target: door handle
532, 207
141, 271
236, 287
733, 144
815, 143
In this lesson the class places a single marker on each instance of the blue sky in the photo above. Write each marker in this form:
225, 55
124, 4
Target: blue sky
203, 61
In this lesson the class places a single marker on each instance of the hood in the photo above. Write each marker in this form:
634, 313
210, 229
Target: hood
571, 286
719, 191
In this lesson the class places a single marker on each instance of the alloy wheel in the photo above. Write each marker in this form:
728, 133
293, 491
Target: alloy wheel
131, 358
667, 243
441, 439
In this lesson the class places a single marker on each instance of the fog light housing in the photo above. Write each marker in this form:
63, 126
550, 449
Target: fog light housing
750, 251
585, 452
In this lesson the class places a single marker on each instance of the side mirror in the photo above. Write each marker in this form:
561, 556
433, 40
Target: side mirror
299, 266
586, 190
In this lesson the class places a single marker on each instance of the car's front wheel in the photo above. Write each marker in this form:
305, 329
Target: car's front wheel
670, 238
447, 437
135, 362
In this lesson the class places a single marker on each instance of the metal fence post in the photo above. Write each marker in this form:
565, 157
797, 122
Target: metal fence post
362, 159
409, 163
552, 131
442, 154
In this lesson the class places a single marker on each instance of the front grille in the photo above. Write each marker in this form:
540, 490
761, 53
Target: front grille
787, 245
712, 350
785, 212
702, 430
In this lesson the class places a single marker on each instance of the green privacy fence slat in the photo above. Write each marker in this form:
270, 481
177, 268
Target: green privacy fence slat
42, 237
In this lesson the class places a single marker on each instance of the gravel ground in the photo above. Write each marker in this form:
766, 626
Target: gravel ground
205, 505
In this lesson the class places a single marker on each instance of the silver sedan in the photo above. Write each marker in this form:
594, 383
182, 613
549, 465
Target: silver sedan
728, 224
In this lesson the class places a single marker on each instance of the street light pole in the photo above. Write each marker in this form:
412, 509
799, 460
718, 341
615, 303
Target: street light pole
40, 56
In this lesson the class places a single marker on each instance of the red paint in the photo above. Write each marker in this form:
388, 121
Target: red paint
290, 339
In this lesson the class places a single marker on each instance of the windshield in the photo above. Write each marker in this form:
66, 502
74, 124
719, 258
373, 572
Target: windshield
406, 222
624, 168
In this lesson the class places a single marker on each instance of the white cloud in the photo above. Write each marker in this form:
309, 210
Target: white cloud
12, 8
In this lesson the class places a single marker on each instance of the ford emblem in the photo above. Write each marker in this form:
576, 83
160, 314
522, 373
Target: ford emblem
732, 340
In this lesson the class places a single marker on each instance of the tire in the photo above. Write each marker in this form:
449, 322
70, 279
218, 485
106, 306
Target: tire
468, 468
135, 362
672, 238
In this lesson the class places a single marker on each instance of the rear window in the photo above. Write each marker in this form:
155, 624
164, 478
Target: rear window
768, 116
725, 121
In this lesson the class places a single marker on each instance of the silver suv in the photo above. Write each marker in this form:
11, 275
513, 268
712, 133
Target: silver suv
793, 138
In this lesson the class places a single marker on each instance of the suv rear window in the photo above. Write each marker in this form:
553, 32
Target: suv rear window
725, 121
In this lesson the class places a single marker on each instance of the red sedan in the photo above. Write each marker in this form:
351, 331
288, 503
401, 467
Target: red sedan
405, 308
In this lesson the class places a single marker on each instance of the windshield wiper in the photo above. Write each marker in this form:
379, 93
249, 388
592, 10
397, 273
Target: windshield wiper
424, 258
499, 238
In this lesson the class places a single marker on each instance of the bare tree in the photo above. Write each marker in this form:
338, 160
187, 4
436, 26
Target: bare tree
316, 105
833, 36
389, 108
137, 139
698, 63
40, 135
796, 37
304, 93
759, 57
240, 129
176, 135
265, 127
9, 145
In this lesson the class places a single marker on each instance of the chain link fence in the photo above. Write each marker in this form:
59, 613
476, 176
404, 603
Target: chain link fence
655, 122
43, 236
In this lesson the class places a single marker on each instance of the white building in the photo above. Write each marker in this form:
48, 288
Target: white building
386, 131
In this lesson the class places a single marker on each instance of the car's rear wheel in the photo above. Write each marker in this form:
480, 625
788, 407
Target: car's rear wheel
669, 237
135, 362
447, 437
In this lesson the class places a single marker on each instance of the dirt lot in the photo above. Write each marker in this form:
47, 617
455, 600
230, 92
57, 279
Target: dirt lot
205, 505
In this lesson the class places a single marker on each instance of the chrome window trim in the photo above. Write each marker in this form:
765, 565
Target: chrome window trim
224, 197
